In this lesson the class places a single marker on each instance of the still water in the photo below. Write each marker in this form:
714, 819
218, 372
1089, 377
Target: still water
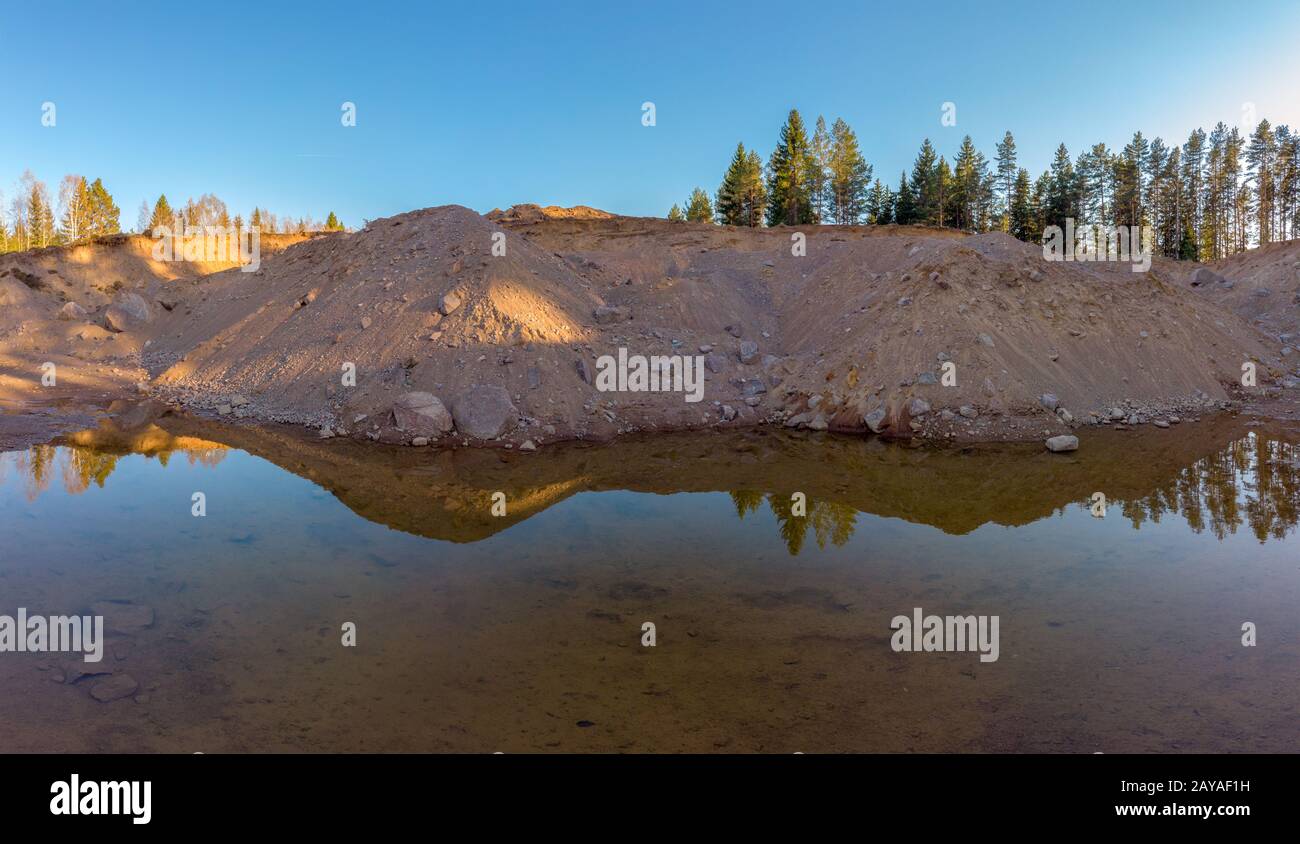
523, 633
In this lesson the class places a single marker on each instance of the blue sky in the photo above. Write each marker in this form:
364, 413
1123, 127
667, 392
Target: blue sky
487, 105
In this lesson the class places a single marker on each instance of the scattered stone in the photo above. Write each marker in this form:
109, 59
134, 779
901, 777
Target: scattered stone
1160, 423
419, 442
986, 340
875, 420
421, 414
129, 310
484, 412
450, 301
114, 688
968, 411
528, 445
748, 351
1064, 442
1049, 401
918, 407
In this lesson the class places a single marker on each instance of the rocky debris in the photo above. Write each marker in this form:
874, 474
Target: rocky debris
968, 411
421, 414
114, 688
715, 362
1063, 442
875, 420
611, 314
748, 351
123, 616
918, 407
1205, 275
1049, 401
484, 412
129, 311
450, 301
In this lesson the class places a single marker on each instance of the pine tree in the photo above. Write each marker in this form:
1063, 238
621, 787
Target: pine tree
102, 216
880, 205
1261, 155
789, 185
162, 213
849, 176
731, 194
1062, 200
925, 186
1006, 178
332, 223
970, 179
40, 217
675, 214
1020, 211
943, 192
698, 207
905, 212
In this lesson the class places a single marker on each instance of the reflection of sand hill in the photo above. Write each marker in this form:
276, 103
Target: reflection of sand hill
1213, 474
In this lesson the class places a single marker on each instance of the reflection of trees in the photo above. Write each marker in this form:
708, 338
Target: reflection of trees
1253, 481
829, 520
80, 466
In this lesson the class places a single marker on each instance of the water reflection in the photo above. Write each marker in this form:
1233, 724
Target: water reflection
1218, 478
480, 633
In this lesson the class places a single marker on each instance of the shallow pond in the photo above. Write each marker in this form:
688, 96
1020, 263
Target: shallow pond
478, 632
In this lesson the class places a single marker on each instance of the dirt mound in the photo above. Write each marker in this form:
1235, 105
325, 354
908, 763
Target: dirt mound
507, 319
91, 273
1261, 285
529, 213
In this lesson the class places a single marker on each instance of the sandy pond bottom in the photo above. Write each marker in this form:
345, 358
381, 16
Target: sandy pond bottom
523, 633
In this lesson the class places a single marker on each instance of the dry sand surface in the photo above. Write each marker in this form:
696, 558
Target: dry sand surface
452, 343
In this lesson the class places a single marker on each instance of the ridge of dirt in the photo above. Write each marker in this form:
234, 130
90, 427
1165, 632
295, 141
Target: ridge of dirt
864, 331
1261, 285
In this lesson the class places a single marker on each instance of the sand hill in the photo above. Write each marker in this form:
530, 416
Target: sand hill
461, 327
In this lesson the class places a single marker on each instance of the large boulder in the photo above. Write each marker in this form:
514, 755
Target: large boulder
128, 311
421, 414
1205, 275
484, 412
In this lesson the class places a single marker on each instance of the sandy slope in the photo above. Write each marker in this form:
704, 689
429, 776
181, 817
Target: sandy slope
864, 322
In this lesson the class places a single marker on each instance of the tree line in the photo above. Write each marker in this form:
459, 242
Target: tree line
1212, 196
85, 210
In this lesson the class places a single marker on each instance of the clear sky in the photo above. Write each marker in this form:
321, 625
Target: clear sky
490, 104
